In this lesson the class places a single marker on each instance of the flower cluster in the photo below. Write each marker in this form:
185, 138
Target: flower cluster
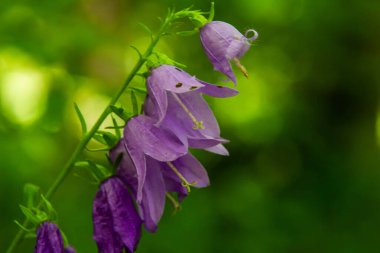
153, 160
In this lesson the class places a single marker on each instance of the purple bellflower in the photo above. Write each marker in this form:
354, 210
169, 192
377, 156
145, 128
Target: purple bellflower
175, 101
117, 225
161, 177
142, 140
49, 240
222, 43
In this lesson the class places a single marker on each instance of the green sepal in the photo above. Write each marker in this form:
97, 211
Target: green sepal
138, 52
32, 215
187, 33
106, 138
31, 195
81, 119
157, 59
134, 103
50, 211
28, 230
116, 127
212, 12
97, 171
120, 112
147, 29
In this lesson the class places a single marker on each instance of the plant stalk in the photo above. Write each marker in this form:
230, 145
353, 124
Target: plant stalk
88, 136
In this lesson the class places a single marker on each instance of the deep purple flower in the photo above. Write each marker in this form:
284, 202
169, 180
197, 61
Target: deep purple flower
161, 177
143, 139
175, 101
117, 225
49, 240
222, 42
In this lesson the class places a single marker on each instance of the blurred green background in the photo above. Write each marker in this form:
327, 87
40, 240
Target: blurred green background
304, 168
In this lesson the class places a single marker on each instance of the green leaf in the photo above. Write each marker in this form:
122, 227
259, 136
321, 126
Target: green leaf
157, 59
147, 29
106, 138
24, 228
120, 112
51, 212
138, 52
29, 214
138, 89
97, 171
31, 194
212, 12
187, 33
117, 129
81, 119
134, 103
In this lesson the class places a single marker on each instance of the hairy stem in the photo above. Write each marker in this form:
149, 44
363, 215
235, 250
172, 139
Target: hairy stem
88, 136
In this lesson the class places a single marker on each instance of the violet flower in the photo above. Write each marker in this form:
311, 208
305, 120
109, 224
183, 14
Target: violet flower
222, 43
143, 139
117, 225
49, 239
175, 101
161, 177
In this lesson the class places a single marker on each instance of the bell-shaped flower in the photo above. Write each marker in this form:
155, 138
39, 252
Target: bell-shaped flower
161, 177
143, 139
117, 225
222, 43
175, 101
49, 239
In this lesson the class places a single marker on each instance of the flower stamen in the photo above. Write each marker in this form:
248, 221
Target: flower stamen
184, 182
241, 67
175, 203
197, 124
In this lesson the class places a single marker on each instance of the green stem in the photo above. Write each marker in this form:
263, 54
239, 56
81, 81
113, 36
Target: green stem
88, 136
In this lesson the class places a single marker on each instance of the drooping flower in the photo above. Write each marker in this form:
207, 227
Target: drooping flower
161, 177
143, 139
175, 101
49, 240
117, 225
222, 43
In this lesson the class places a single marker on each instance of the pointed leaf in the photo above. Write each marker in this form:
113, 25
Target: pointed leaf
31, 194
147, 29
212, 12
22, 227
116, 127
120, 112
138, 52
134, 103
81, 119
51, 212
106, 138
29, 214
187, 33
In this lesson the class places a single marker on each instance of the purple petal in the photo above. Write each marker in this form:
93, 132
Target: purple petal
126, 169
141, 134
191, 169
153, 195
218, 149
116, 221
223, 42
105, 237
174, 184
168, 78
49, 239
180, 123
217, 90
70, 249
171, 78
